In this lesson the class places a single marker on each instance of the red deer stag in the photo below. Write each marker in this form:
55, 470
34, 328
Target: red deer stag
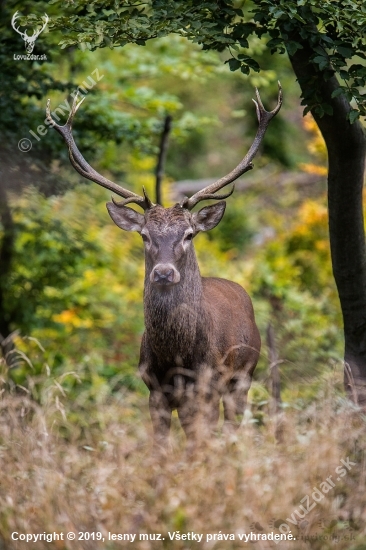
201, 342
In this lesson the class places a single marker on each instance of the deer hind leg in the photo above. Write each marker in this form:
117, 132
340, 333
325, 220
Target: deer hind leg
235, 400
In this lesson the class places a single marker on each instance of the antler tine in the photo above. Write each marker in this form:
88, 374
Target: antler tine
260, 108
208, 196
45, 22
148, 202
83, 167
37, 33
13, 19
264, 118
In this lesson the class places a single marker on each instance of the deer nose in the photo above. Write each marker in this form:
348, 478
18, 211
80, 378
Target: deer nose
164, 274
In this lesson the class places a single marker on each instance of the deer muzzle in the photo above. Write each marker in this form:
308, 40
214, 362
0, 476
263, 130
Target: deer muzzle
165, 274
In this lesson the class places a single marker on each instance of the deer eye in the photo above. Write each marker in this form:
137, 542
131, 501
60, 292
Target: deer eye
188, 237
145, 238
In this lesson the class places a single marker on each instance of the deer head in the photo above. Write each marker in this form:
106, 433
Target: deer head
29, 40
167, 234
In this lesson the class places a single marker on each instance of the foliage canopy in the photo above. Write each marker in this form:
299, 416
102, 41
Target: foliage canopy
334, 30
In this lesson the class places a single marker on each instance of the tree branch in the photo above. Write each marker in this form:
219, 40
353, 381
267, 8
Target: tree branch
161, 158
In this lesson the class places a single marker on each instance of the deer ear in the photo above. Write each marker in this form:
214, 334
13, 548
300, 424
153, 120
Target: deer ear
126, 218
208, 217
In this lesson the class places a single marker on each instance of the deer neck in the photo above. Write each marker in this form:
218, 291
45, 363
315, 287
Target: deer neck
174, 315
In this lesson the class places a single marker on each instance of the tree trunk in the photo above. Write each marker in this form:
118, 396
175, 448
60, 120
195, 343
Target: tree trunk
346, 156
6, 253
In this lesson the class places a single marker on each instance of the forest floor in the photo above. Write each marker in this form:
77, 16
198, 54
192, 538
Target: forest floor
72, 467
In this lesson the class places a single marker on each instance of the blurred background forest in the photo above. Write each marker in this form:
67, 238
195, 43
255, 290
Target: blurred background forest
74, 428
71, 285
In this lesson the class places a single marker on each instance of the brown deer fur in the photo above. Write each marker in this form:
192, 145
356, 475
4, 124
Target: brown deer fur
198, 329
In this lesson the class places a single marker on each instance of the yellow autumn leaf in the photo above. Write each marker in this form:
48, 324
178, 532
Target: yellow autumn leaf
70, 317
313, 169
312, 213
65, 317
316, 146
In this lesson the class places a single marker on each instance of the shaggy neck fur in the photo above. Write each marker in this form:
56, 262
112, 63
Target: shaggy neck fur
174, 315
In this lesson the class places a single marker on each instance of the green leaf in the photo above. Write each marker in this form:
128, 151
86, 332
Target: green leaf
346, 52
253, 64
321, 61
319, 111
277, 13
319, 50
293, 46
353, 115
344, 74
337, 92
243, 42
234, 64
297, 16
328, 109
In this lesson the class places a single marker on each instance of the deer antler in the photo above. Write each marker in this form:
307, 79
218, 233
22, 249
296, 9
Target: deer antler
24, 34
13, 19
209, 192
81, 165
37, 33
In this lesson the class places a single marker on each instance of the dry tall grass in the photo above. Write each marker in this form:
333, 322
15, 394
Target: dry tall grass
60, 473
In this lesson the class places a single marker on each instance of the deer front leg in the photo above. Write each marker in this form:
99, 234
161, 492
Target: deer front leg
160, 411
199, 409
161, 414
